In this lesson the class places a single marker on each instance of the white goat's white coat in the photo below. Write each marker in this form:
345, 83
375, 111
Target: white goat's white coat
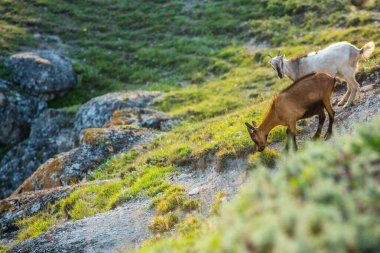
339, 60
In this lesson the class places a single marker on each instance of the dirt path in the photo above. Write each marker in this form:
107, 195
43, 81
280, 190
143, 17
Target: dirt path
127, 226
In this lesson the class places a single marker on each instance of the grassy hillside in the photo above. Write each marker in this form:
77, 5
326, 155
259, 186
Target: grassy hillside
161, 44
209, 56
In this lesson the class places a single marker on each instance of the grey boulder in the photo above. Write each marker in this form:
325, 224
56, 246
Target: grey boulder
97, 111
51, 133
17, 111
42, 73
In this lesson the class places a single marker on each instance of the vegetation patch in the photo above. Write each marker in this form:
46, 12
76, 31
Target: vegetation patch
3, 249
191, 205
163, 223
267, 158
35, 225
215, 207
172, 199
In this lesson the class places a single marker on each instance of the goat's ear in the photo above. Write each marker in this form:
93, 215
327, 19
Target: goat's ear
278, 53
282, 57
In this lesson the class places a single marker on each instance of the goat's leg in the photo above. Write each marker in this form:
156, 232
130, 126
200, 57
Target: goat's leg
291, 135
322, 118
346, 95
354, 89
330, 111
288, 136
358, 92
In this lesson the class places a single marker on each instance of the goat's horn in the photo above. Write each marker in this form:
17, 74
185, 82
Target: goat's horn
249, 126
278, 53
268, 55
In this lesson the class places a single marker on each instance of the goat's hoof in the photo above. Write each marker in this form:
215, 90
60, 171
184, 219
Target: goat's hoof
315, 138
341, 103
347, 105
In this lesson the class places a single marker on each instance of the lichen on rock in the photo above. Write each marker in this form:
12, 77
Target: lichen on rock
142, 117
97, 111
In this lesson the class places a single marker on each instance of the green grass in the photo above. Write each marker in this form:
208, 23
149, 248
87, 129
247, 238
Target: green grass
267, 158
120, 45
163, 223
215, 207
3, 249
200, 54
35, 225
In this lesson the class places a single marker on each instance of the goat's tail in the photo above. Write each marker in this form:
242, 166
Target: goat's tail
367, 50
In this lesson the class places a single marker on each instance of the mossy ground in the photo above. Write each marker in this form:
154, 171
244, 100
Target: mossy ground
203, 54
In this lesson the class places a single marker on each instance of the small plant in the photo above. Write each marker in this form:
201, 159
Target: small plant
189, 226
173, 198
278, 134
3, 249
267, 157
190, 205
215, 207
163, 223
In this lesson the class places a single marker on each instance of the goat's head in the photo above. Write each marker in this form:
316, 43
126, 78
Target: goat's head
257, 136
277, 64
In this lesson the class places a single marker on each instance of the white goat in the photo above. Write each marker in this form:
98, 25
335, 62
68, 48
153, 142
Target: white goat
339, 60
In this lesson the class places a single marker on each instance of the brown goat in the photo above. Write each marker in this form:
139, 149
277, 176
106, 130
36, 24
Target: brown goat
305, 98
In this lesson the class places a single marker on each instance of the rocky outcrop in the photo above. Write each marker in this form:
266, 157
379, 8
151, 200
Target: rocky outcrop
99, 110
51, 133
17, 207
42, 73
29, 203
56, 131
123, 228
16, 114
55, 124
97, 145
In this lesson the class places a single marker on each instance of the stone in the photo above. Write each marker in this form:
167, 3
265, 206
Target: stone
16, 114
17, 207
96, 112
194, 191
358, 3
367, 88
51, 133
42, 73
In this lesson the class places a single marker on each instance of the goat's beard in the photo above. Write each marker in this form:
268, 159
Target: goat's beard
279, 73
